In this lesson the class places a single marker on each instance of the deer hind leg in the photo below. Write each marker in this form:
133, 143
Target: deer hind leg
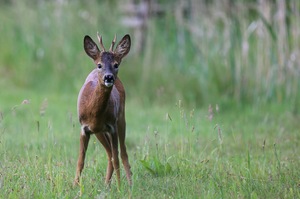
84, 141
124, 156
105, 141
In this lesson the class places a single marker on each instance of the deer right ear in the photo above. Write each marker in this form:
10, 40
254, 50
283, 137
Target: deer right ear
91, 47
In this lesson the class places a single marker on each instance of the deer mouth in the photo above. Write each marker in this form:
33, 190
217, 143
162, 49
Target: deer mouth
108, 84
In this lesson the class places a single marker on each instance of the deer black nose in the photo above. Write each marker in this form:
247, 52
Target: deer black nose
109, 80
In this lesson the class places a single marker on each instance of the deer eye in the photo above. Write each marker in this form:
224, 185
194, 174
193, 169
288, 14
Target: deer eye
99, 65
116, 65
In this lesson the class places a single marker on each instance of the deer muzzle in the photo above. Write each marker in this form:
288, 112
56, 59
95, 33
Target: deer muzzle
109, 80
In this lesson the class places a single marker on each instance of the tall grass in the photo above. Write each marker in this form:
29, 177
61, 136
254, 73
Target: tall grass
199, 51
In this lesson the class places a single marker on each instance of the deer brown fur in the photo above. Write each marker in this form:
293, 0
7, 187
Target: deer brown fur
101, 106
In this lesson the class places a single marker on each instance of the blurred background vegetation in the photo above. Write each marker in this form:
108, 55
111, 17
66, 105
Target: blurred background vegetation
199, 51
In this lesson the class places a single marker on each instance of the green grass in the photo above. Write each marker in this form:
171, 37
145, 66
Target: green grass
175, 152
243, 59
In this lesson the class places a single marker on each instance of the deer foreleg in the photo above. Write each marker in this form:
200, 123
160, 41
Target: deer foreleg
105, 141
84, 141
115, 155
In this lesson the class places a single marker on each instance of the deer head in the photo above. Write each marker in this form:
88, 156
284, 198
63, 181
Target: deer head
107, 62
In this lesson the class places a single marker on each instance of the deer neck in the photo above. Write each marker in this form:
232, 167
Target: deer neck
101, 98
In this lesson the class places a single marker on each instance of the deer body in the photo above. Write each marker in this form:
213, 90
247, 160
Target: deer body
101, 107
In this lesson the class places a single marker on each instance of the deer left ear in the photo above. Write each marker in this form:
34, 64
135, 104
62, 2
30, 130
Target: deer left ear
123, 47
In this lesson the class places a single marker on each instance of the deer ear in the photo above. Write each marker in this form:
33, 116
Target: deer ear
123, 47
91, 47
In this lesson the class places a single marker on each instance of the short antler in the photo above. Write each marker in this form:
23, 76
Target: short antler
100, 41
112, 44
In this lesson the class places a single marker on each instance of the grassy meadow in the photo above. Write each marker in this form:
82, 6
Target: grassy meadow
212, 99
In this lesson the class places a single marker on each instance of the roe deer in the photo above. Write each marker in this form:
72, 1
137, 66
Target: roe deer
101, 106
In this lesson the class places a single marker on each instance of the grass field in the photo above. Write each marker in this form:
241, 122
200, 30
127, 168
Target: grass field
212, 100
175, 152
